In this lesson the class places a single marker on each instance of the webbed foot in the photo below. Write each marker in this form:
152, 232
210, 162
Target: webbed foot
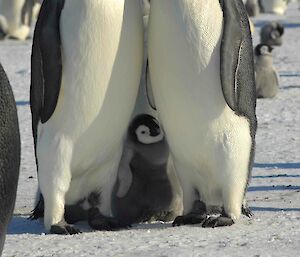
63, 228
98, 221
189, 219
247, 212
220, 221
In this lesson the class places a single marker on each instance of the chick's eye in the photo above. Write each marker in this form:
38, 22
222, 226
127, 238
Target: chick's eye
143, 132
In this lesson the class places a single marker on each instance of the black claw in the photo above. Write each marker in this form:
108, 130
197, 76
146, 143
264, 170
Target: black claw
247, 212
220, 221
189, 219
98, 221
64, 229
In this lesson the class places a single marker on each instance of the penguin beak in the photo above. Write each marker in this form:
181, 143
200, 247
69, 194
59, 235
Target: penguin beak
155, 132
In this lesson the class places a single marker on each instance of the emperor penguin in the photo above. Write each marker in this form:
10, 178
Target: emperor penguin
202, 73
86, 65
266, 76
147, 188
16, 17
252, 7
271, 34
9, 154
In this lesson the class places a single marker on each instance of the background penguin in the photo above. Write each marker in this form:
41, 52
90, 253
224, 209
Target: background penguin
252, 7
267, 79
81, 104
271, 34
9, 154
17, 16
204, 91
147, 188
274, 6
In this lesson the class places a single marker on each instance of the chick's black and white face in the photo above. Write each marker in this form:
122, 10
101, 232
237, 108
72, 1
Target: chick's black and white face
148, 135
145, 129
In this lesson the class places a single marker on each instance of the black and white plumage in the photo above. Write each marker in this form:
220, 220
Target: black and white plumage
86, 65
266, 76
9, 154
202, 73
271, 34
147, 188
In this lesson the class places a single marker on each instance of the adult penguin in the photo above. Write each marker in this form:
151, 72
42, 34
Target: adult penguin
16, 17
9, 154
202, 74
86, 65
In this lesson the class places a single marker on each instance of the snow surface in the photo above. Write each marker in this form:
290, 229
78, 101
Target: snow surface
274, 193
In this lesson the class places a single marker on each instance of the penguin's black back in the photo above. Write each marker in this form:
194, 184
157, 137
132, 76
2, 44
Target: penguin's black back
9, 154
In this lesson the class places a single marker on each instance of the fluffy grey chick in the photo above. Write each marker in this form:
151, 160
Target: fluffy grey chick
266, 77
147, 188
271, 34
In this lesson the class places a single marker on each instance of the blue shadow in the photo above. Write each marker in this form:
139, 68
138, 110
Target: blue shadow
292, 165
278, 176
273, 188
22, 103
259, 24
271, 209
22, 225
289, 74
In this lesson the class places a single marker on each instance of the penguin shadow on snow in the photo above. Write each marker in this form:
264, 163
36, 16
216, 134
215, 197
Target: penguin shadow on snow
294, 165
272, 209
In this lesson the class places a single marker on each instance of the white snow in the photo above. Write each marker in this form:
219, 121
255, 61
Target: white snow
274, 193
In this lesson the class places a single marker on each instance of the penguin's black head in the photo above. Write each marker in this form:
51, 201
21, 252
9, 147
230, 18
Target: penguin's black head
263, 49
271, 33
145, 129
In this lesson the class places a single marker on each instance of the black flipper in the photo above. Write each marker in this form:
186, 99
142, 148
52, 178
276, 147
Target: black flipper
46, 70
237, 62
149, 88
237, 65
46, 63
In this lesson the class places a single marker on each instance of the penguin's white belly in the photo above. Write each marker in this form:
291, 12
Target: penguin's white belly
202, 131
102, 59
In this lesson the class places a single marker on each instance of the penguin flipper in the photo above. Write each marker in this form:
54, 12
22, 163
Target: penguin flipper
237, 63
46, 63
149, 88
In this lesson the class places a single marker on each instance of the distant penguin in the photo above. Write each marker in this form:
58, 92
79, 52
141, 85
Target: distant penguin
147, 188
17, 16
274, 6
252, 8
271, 34
9, 154
82, 97
202, 72
266, 76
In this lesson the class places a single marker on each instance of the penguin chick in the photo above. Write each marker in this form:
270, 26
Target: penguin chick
252, 7
271, 34
267, 81
147, 188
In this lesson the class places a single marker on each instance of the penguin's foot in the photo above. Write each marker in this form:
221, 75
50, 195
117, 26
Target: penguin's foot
63, 228
220, 221
189, 219
98, 221
247, 212
38, 211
